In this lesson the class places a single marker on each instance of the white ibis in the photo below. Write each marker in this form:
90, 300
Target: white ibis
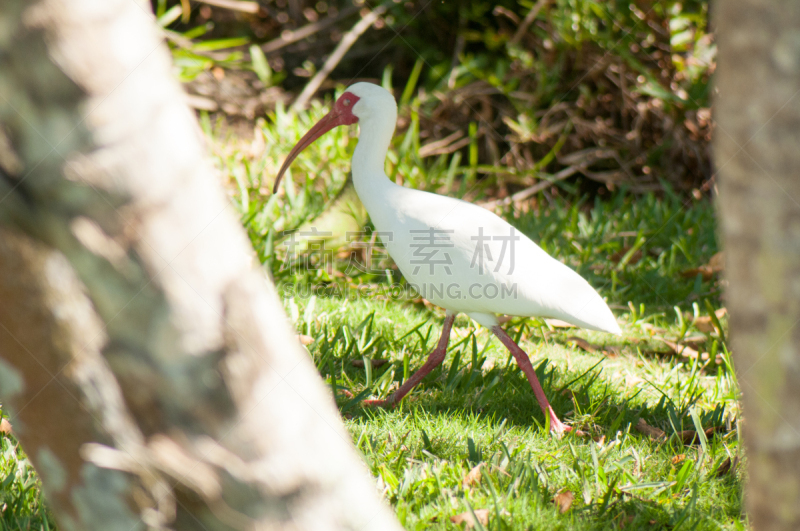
459, 256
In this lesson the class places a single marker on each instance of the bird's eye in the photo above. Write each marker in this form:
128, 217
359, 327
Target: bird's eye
347, 103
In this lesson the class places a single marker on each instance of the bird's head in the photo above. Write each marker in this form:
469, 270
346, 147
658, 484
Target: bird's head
360, 102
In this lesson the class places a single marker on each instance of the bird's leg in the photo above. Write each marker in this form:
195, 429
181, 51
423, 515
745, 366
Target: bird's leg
434, 359
524, 363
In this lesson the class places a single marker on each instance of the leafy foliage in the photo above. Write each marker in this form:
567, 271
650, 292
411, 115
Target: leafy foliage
21, 506
616, 91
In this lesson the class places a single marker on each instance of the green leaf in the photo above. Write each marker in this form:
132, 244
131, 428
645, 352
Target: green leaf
260, 65
170, 16
221, 44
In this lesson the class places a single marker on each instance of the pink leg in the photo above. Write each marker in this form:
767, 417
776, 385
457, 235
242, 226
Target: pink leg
524, 363
434, 359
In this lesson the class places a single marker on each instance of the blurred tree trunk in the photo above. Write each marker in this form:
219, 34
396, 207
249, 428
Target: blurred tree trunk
758, 156
147, 365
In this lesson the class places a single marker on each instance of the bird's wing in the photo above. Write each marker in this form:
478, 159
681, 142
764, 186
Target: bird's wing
468, 259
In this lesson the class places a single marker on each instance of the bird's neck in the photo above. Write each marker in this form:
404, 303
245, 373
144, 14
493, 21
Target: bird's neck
370, 181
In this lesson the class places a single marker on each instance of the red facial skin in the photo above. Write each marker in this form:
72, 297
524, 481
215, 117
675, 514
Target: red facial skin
341, 114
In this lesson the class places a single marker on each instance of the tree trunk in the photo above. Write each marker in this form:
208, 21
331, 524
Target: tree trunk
147, 365
757, 154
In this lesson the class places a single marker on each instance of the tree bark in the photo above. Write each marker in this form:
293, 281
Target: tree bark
757, 156
148, 367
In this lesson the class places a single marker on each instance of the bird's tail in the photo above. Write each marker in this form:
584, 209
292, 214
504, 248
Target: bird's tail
585, 308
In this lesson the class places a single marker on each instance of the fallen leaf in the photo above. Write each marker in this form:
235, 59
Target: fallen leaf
652, 329
681, 350
305, 340
678, 459
473, 477
727, 467
704, 324
466, 518
687, 436
619, 255
693, 272
684, 350
585, 345
694, 341
564, 501
5, 426
558, 323
723, 468
716, 264
375, 363
690, 436
654, 433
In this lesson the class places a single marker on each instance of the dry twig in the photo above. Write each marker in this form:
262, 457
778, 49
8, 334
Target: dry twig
529, 18
533, 190
234, 5
347, 41
291, 36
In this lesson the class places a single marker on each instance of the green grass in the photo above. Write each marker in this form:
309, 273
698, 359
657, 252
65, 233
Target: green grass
477, 408
21, 504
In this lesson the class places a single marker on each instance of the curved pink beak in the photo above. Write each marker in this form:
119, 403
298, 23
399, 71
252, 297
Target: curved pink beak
341, 114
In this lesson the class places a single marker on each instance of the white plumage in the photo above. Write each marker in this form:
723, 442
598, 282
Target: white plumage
458, 255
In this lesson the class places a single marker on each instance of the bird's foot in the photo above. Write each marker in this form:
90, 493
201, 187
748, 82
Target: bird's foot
388, 403
559, 428
569, 429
